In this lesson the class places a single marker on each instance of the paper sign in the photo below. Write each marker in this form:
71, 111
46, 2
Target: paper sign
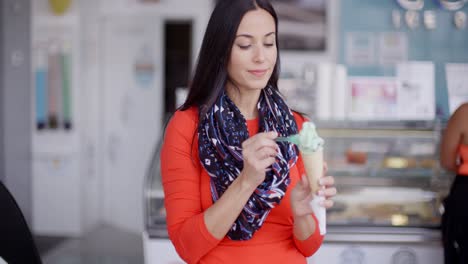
373, 98
393, 48
457, 84
360, 49
416, 99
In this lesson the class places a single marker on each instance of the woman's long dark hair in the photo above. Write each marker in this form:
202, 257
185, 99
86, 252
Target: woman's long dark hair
211, 71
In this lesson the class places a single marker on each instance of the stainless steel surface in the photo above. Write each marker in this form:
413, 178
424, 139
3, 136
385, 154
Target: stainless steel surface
153, 200
152, 189
398, 235
387, 125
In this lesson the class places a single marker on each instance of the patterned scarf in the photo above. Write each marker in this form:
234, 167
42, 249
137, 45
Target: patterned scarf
220, 135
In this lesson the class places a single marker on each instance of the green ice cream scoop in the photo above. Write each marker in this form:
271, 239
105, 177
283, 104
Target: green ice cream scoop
307, 140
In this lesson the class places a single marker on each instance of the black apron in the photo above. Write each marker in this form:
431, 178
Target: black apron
455, 223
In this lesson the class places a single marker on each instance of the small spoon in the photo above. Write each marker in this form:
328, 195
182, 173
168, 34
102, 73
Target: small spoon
293, 139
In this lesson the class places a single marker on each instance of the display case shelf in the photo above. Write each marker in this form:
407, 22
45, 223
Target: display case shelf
379, 124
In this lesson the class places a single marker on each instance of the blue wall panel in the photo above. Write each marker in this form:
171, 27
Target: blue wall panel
442, 45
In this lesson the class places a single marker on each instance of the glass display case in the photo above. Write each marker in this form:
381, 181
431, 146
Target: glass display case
387, 175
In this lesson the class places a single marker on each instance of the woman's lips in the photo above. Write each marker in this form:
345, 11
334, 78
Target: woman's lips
258, 73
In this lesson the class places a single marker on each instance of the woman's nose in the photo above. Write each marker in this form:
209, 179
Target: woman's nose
259, 55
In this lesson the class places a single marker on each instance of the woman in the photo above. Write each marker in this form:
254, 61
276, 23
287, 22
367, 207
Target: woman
454, 157
232, 194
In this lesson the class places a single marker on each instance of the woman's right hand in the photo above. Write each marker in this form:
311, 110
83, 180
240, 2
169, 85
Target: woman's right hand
259, 152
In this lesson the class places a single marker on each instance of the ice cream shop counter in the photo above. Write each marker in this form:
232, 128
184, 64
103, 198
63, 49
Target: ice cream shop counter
388, 209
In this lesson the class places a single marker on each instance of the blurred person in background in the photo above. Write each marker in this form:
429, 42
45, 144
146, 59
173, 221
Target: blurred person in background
454, 157
233, 194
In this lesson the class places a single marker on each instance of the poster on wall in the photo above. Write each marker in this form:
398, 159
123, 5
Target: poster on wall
143, 66
393, 48
52, 80
416, 96
302, 24
373, 98
457, 84
360, 49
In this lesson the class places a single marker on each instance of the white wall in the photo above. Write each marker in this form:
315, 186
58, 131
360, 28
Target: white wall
91, 119
132, 114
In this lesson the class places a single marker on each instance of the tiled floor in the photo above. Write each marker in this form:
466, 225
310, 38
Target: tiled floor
46, 243
104, 245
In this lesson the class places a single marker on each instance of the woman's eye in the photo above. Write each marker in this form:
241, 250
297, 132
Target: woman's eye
244, 47
269, 44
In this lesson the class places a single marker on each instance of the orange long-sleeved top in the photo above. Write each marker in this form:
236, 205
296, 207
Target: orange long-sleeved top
463, 152
187, 195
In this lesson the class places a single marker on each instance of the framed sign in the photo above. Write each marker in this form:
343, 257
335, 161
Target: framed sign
373, 98
302, 24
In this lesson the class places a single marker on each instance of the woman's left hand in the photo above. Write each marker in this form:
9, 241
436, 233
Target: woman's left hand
301, 194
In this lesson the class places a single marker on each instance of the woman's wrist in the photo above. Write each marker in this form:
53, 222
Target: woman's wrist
222, 214
304, 226
246, 183
296, 213
303, 217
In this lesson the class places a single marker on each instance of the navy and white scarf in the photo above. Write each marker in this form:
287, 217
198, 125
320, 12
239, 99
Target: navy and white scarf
220, 135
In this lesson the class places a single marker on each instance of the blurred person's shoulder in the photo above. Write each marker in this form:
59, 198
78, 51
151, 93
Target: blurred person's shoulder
461, 114
463, 109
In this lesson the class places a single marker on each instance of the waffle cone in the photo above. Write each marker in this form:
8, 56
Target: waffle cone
313, 164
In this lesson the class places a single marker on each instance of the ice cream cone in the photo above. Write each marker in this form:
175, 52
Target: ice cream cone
311, 148
313, 164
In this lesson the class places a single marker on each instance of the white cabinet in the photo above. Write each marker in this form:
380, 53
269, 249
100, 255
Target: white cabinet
56, 195
132, 112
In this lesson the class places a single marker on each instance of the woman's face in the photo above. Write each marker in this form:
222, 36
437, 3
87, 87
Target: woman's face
253, 55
